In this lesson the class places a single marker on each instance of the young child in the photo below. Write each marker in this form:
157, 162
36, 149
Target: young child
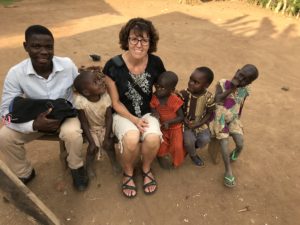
166, 106
230, 96
198, 107
95, 112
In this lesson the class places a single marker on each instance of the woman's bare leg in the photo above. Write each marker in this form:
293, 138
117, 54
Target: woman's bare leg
128, 157
150, 148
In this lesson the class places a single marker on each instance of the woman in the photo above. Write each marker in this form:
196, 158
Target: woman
130, 78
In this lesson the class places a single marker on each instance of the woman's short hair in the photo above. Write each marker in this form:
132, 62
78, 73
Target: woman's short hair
139, 25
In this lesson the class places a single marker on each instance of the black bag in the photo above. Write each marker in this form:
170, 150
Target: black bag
23, 110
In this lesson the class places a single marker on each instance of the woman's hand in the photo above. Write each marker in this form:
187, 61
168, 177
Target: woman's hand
141, 124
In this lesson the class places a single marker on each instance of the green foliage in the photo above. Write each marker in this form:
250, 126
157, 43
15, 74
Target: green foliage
6, 2
293, 6
263, 2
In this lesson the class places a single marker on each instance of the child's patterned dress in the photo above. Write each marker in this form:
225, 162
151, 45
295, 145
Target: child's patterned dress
227, 114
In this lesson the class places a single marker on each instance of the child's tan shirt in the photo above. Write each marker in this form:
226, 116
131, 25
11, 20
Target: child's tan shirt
94, 111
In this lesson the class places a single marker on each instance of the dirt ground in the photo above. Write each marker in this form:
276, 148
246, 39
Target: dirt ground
221, 35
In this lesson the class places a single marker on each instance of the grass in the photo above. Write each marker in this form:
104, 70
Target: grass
6, 2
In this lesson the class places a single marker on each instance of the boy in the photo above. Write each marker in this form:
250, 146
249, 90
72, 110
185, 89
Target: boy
95, 112
42, 76
198, 107
230, 96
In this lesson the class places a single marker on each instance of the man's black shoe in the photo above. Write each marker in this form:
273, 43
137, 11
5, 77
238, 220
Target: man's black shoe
197, 160
80, 178
29, 178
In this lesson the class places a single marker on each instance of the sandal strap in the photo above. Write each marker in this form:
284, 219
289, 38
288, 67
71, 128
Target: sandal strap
152, 182
128, 180
229, 178
126, 175
128, 187
147, 175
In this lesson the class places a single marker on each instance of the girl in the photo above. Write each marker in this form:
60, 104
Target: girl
166, 106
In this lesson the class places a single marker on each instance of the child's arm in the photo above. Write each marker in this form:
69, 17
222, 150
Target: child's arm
204, 120
153, 105
92, 148
155, 113
107, 142
177, 119
220, 96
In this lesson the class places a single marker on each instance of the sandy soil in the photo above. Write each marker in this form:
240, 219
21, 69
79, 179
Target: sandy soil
221, 35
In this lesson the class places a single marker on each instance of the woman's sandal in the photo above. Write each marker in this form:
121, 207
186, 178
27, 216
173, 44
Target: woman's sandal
229, 181
151, 183
125, 186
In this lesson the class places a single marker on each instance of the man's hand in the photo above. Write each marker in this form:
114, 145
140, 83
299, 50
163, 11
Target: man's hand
44, 124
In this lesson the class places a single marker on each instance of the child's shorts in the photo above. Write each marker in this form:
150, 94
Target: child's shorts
122, 125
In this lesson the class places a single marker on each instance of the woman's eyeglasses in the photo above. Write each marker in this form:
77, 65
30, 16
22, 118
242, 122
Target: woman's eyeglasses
135, 41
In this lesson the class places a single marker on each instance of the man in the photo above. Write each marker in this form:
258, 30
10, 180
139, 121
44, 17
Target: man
41, 76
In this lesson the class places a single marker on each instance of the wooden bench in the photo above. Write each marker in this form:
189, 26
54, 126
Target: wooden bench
24, 199
62, 148
214, 150
64, 154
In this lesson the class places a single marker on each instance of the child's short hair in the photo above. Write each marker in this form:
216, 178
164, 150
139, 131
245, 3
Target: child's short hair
37, 29
80, 80
207, 72
252, 70
170, 78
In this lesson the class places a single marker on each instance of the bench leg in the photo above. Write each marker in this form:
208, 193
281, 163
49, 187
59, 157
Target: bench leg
63, 154
214, 150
